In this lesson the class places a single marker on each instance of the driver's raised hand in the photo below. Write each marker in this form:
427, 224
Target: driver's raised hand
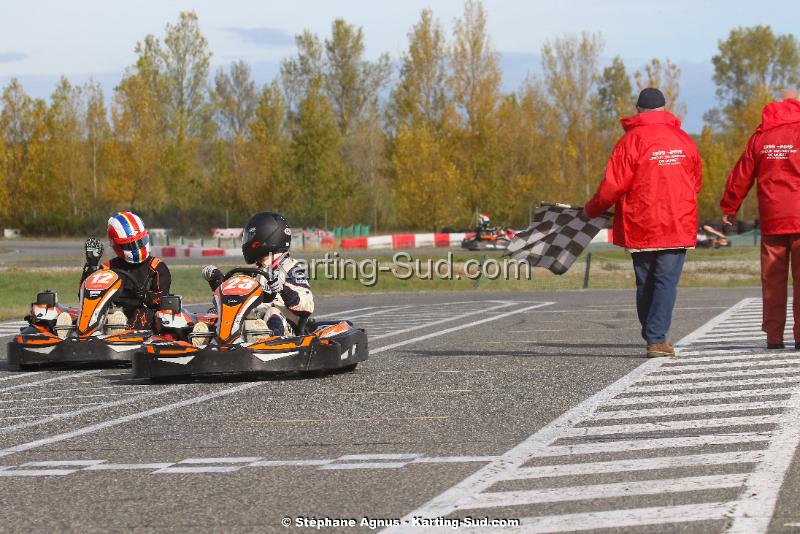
94, 251
213, 276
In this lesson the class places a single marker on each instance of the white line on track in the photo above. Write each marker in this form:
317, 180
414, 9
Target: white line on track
459, 327
219, 393
427, 324
16, 375
63, 376
667, 438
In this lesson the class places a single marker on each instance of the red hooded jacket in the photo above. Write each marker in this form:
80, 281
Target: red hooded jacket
771, 156
653, 177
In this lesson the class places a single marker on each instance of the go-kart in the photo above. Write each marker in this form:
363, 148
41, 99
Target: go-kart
96, 331
232, 341
489, 239
708, 237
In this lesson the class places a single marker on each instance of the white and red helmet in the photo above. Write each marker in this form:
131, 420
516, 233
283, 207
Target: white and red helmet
128, 237
483, 218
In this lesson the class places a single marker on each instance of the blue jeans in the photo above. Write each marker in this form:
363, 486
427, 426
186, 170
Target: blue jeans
657, 276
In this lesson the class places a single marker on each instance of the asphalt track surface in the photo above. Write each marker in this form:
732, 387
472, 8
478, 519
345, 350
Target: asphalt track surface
499, 405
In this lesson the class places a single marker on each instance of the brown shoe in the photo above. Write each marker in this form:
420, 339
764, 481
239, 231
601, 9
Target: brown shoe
658, 350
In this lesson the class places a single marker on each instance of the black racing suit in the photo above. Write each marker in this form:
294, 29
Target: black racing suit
139, 301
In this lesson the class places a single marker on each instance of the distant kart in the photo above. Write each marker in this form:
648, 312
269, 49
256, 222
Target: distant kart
233, 344
96, 331
708, 237
489, 239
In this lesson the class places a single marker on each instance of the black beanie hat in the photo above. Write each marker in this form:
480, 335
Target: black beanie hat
651, 98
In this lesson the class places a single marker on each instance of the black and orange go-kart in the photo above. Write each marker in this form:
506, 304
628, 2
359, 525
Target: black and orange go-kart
236, 342
97, 331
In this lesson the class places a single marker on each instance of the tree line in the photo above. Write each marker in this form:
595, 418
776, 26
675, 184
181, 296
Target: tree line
338, 139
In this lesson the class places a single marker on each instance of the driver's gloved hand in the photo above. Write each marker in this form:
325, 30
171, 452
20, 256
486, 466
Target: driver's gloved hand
94, 251
275, 283
213, 276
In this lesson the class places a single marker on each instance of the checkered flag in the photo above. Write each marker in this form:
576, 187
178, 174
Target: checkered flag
556, 237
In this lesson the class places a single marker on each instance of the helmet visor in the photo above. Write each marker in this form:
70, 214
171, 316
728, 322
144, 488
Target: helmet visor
135, 246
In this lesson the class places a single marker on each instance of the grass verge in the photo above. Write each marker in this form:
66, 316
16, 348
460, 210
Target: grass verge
610, 268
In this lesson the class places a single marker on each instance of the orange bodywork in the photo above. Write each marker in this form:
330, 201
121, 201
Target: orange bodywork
90, 305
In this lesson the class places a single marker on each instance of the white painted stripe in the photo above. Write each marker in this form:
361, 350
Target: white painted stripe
63, 376
689, 424
288, 463
727, 356
779, 389
36, 472
17, 375
340, 313
756, 504
536, 445
610, 519
687, 410
125, 467
642, 464
49, 418
732, 364
661, 377
710, 325
453, 459
62, 463
124, 419
48, 406
426, 324
223, 460
619, 489
96, 395
457, 328
658, 386
655, 443
367, 465
350, 457
205, 469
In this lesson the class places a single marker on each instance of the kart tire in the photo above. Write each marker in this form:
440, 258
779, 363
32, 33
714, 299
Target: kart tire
346, 369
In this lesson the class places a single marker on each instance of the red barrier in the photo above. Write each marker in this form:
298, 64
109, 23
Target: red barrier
354, 242
441, 240
403, 241
168, 252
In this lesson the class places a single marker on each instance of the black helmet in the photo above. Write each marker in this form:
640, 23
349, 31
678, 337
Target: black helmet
265, 232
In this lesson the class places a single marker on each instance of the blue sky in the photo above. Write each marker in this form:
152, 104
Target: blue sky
40, 40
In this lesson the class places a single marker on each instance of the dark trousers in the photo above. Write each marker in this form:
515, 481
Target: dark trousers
777, 253
657, 276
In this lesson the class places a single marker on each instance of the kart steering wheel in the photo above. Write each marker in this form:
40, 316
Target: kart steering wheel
250, 271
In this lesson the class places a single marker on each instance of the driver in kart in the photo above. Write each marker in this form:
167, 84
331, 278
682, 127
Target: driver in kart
265, 243
128, 237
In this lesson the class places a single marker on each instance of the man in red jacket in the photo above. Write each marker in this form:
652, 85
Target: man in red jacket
771, 156
653, 177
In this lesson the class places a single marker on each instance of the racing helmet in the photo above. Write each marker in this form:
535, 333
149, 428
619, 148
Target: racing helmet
128, 237
483, 218
266, 232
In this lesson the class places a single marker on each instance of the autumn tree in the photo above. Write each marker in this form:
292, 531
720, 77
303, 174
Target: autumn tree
665, 76
423, 117
475, 84
97, 131
236, 98
65, 157
615, 98
265, 183
570, 71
